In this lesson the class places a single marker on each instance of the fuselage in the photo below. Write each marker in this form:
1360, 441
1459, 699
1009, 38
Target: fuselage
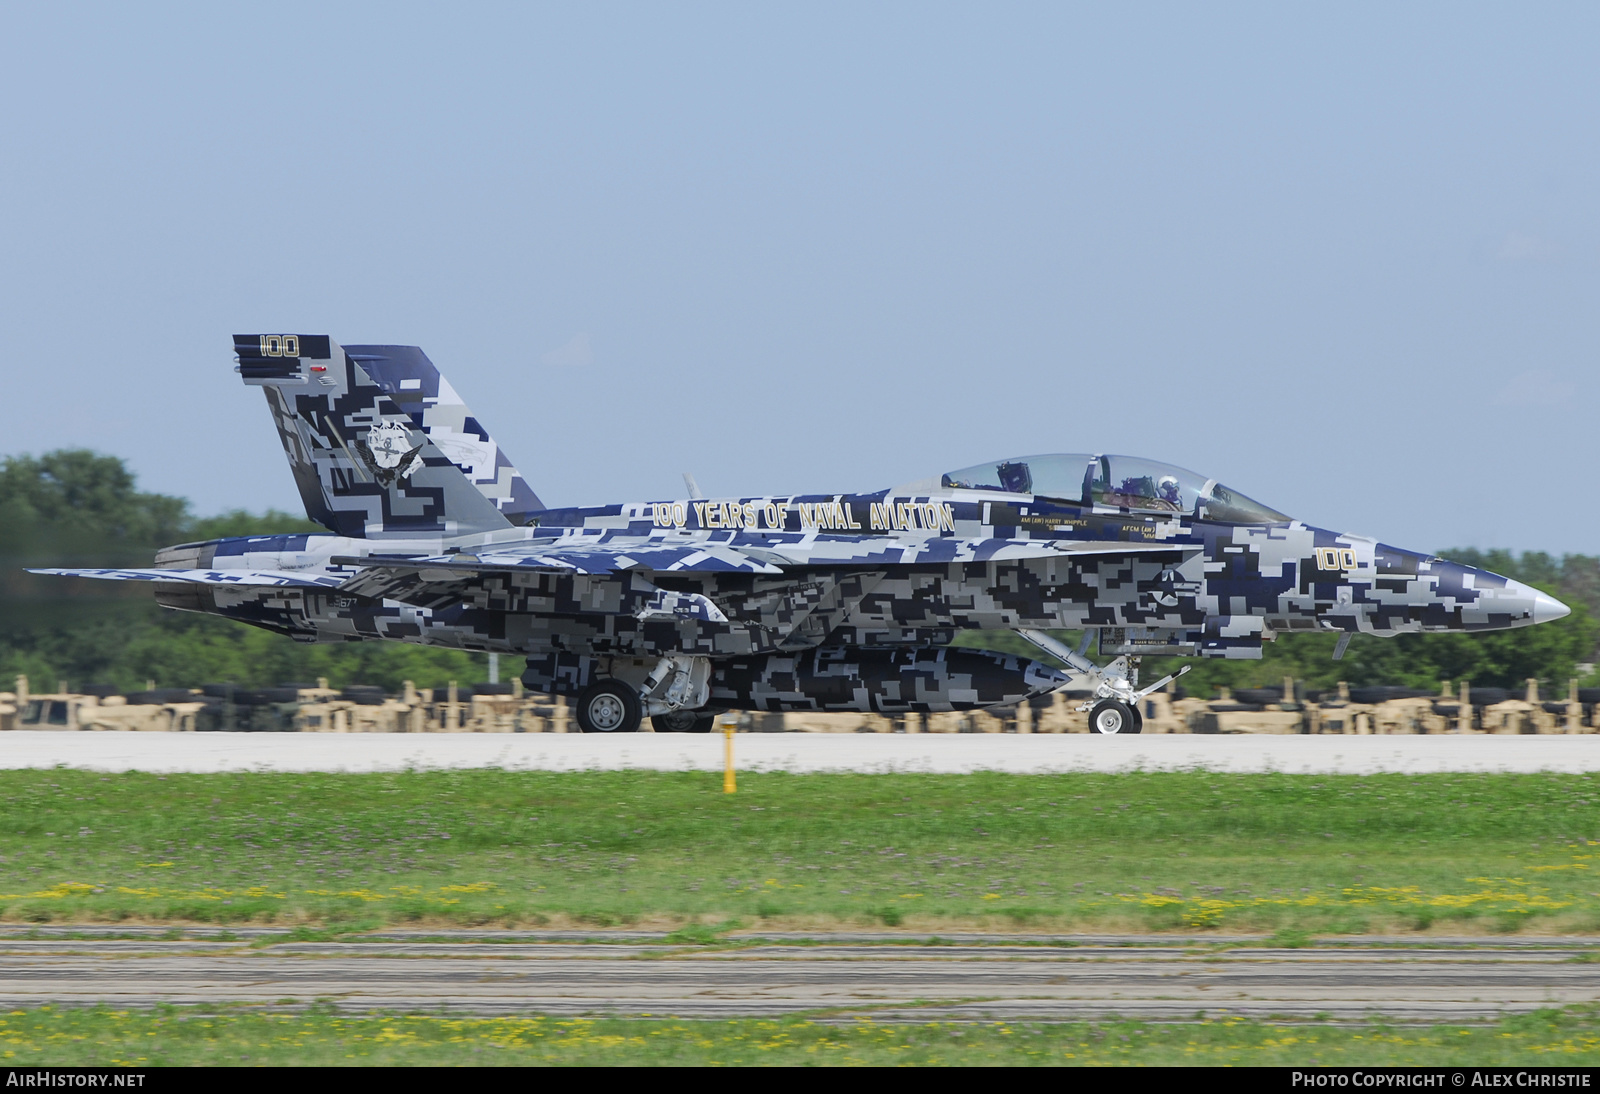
829, 601
883, 570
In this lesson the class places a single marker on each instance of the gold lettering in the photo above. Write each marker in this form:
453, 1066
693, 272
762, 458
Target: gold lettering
878, 516
750, 518
947, 517
700, 513
771, 513
1347, 559
680, 514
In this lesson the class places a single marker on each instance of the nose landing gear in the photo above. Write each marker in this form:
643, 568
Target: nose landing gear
1114, 706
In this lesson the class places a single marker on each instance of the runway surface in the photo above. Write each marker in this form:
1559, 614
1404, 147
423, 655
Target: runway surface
795, 752
1148, 978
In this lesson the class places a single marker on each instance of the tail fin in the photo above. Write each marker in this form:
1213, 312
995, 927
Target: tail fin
407, 376
367, 464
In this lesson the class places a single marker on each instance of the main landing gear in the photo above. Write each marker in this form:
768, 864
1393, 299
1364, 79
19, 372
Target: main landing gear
609, 706
1114, 704
674, 695
613, 707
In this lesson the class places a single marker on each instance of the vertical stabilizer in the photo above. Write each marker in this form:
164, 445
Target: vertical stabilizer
364, 467
407, 376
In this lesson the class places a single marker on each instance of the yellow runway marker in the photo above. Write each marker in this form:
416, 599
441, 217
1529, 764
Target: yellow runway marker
729, 785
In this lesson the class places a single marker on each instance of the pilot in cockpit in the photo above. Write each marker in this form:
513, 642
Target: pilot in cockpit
1169, 492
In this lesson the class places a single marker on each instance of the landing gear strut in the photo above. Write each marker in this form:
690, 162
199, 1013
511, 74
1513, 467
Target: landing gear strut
1114, 705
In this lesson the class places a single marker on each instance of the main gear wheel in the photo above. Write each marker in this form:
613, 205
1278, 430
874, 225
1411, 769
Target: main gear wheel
609, 706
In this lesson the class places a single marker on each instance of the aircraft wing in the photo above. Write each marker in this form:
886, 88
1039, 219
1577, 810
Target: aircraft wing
278, 578
385, 575
877, 551
614, 556
382, 574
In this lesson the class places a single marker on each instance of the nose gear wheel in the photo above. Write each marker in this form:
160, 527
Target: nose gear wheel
1111, 716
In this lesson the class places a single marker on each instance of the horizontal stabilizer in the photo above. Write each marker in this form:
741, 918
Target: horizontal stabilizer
207, 577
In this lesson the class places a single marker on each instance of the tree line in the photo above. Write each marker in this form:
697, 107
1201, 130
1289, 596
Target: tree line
79, 508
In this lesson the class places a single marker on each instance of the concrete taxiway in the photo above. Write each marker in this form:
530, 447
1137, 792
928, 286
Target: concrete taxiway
1147, 977
797, 752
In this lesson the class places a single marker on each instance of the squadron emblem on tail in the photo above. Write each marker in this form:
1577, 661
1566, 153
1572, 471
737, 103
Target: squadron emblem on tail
388, 452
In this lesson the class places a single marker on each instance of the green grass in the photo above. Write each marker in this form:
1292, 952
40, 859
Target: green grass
183, 1036
1298, 855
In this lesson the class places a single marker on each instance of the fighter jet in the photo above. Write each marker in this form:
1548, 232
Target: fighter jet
679, 609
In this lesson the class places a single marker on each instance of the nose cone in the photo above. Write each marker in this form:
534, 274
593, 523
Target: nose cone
1451, 596
1523, 605
1547, 609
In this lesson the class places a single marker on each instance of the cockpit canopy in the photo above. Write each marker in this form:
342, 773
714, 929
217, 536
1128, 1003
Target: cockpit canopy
1125, 482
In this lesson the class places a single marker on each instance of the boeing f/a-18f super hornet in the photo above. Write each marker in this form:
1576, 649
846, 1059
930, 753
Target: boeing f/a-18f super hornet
680, 609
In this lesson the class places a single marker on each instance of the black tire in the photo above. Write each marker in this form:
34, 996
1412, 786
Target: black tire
683, 721
1109, 716
608, 707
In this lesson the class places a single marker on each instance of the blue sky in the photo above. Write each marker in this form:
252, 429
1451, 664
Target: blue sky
1344, 258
